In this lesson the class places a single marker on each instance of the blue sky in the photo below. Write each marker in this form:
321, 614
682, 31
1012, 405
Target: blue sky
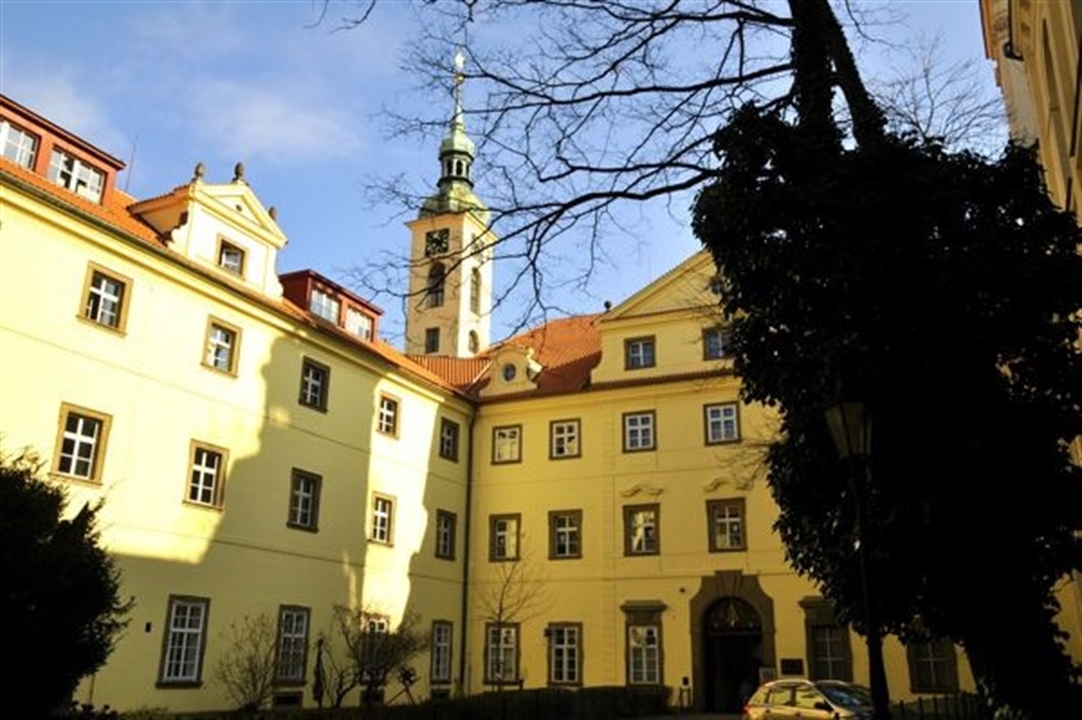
168, 83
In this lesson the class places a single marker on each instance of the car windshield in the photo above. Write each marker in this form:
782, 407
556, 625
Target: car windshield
847, 696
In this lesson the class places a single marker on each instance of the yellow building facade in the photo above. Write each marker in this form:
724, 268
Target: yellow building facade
580, 505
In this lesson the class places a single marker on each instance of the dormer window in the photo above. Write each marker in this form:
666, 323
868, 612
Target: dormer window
358, 323
230, 257
18, 145
73, 174
324, 305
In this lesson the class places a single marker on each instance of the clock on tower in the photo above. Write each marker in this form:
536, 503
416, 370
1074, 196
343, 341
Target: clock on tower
437, 241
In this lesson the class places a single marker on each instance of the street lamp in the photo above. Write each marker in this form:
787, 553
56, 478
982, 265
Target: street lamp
850, 424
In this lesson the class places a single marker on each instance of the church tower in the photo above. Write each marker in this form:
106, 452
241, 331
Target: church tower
449, 308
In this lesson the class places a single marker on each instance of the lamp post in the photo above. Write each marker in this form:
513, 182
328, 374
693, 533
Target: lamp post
850, 424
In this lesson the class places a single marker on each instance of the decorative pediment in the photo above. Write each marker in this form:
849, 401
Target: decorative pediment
513, 370
687, 285
198, 219
642, 487
739, 483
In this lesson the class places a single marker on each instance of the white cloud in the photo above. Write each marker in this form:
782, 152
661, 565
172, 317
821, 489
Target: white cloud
283, 126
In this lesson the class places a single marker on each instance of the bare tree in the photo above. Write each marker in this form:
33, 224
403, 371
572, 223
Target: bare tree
585, 106
948, 102
367, 651
247, 668
514, 595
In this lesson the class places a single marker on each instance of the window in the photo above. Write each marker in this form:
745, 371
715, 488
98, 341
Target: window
315, 384
643, 655
382, 519
222, 346
292, 655
474, 342
445, 534
639, 353
565, 534
501, 653
432, 340
304, 500
80, 443
18, 145
503, 537
206, 475
230, 257
722, 423
324, 305
564, 439
933, 666
448, 439
715, 343
565, 653
726, 521
185, 640
434, 292
388, 415
358, 323
639, 431
441, 651
829, 656
475, 291
72, 174
105, 298
507, 444
641, 530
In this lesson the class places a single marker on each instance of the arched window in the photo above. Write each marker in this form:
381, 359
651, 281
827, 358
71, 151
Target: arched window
436, 277
458, 168
474, 343
475, 291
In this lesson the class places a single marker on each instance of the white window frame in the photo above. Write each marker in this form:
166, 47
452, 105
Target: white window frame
728, 527
642, 529
715, 343
206, 476
640, 431
640, 352
566, 529
222, 346
304, 489
565, 653
449, 435
315, 384
506, 444
722, 423
387, 422
324, 305
105, 299
71, 173
564, 439
291, 658
504, 537
18, 145
185, 640
442, 651
358, 323
382, 519
445, 534
643, 655
231, 257
501, 653
81, 440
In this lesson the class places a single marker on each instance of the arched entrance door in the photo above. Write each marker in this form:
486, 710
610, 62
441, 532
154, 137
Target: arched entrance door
733, 652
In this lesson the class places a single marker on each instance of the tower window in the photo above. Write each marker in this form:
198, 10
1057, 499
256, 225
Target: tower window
436, 277
474, 342
475, 291
432, 340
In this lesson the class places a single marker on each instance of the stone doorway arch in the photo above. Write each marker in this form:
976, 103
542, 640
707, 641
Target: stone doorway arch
732, 636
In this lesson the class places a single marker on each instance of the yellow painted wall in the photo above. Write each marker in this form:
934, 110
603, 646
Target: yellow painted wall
151, 381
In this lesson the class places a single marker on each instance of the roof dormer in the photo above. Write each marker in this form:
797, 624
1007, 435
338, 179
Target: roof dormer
222, 226
513, 370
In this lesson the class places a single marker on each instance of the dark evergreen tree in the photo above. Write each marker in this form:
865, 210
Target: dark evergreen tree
60, 600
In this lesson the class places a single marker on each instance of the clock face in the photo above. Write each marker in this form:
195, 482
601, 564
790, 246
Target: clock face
437, 241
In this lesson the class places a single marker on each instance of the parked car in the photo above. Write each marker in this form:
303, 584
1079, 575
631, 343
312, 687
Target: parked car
809, 700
